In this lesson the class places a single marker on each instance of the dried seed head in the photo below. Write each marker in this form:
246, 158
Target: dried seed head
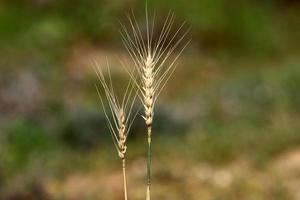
148, 83
121, 117
152, 58
121, 120
148, 101
149, 61
148, 72
149, 121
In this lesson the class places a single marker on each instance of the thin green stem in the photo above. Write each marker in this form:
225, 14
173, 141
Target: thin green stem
149, 163
124, 179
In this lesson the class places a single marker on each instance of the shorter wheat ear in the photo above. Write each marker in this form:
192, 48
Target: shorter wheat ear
121, 117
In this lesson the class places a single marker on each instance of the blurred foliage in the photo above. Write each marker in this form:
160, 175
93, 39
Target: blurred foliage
254, 114
253, 26
85, 131
24, 141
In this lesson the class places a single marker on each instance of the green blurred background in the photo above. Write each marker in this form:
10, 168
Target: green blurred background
227, 126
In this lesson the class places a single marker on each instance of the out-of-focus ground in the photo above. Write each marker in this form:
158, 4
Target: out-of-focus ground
227, 125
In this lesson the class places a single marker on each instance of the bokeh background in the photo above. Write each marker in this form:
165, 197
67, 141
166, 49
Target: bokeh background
227, 126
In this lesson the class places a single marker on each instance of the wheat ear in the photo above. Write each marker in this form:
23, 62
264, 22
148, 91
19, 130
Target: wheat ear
155, 63
121, 119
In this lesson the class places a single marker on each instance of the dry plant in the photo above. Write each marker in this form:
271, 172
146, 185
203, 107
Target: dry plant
121, 118
154, 57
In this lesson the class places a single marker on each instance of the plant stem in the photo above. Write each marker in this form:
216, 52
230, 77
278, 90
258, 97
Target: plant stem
149, 163
124, 179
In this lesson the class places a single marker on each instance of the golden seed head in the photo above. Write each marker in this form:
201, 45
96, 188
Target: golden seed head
121, 155
148, 82
149, 92
148, 101
122, 116
148, 111
149, 61
153, 59
148, 72
149, 121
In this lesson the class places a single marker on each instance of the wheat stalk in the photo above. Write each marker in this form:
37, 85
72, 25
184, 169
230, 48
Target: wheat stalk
121, 119
154, 63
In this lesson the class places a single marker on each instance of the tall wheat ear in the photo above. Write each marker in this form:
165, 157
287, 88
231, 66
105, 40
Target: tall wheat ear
154, 57
121, 116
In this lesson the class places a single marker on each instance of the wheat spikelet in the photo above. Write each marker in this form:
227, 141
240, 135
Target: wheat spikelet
121, 118
154, 64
